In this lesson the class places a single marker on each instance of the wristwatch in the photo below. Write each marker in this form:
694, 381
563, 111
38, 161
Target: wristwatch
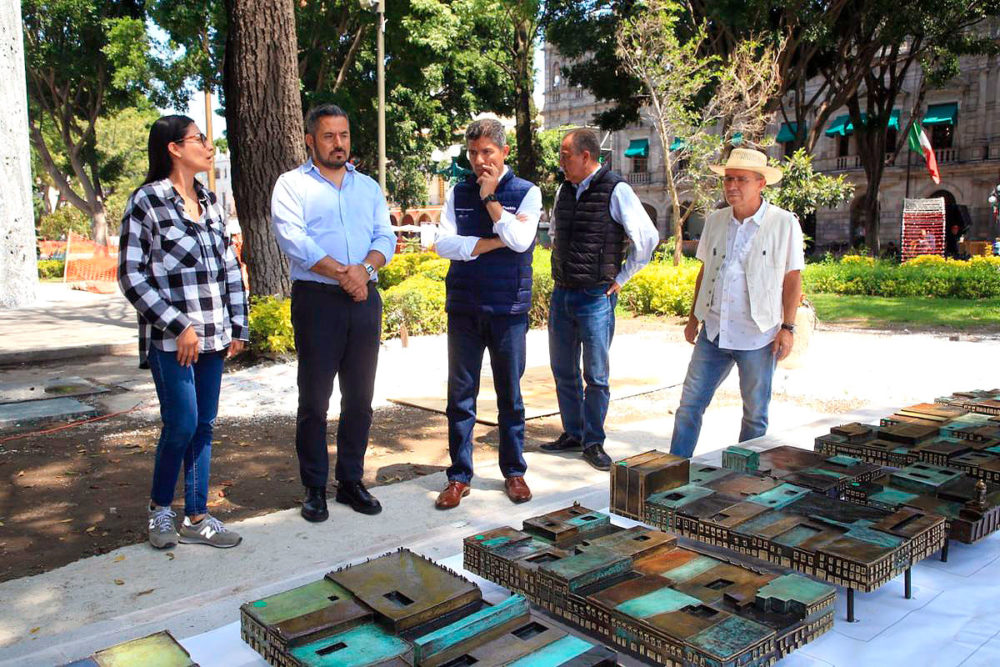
490, 197
788, 327
370, 269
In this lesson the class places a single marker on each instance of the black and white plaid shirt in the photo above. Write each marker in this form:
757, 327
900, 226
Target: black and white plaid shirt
178, 273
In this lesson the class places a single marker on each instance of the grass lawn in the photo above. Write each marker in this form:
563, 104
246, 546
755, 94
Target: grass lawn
874, 311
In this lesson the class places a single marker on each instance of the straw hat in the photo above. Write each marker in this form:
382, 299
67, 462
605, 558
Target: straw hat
748, 160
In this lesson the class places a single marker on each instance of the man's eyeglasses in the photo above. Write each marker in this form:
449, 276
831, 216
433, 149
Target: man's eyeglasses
200, 137
738, 180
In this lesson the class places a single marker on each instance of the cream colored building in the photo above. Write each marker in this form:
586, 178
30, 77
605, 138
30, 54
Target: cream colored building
569, 106
961, 121
960, 118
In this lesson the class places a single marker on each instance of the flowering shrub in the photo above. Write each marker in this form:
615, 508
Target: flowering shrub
926, 275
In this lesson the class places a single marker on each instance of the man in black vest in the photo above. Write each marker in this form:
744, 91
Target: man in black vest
596, 214
487, 230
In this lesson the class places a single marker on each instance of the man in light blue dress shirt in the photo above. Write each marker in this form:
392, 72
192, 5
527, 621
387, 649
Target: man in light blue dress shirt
333, 224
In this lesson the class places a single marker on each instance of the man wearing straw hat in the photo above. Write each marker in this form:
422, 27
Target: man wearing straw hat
745, 299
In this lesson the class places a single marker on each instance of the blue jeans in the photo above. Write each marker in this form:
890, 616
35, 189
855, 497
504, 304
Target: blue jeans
582, 324
189, 401
710, 364
468, 336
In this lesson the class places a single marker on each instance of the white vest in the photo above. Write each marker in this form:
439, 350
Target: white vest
765, 264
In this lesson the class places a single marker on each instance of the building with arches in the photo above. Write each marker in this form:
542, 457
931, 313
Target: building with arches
634, 152
960, 118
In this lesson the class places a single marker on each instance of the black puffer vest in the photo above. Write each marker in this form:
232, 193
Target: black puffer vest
588, 247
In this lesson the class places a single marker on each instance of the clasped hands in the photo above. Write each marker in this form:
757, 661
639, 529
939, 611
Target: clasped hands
353, 279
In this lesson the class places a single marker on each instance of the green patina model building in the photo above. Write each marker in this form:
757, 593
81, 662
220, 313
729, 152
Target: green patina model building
156, 650
640, 590
403, 609
851, 545
967, 442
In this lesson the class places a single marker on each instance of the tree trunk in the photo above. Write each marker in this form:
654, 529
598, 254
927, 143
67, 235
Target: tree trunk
871, 141
99, 224
527, 155
18, 269
264, 126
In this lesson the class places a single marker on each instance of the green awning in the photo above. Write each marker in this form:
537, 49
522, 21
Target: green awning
840, 127
637, 148
843, 126
787, 133
737, 139
677, 144
454, 170
894, 120
941, 114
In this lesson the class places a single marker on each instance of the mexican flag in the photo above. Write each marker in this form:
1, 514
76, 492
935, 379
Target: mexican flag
919, 143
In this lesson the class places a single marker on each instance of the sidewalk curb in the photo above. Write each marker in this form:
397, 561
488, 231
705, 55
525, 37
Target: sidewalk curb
70, 352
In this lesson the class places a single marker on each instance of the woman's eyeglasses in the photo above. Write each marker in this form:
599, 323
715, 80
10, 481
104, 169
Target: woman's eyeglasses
200, 137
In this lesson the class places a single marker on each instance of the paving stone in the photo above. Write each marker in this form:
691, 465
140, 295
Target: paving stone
30, 412
16, 392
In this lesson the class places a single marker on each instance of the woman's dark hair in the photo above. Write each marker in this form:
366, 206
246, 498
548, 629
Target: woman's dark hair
165, 131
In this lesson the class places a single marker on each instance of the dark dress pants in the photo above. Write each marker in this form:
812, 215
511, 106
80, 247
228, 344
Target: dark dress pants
468, 337
334, 335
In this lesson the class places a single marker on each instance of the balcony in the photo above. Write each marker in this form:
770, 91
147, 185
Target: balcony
639, 178
977, 153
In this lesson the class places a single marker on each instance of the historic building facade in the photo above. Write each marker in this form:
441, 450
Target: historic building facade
634, 152
960, 119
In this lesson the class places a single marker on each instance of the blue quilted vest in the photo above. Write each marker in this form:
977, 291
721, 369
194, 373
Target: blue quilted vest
497, 282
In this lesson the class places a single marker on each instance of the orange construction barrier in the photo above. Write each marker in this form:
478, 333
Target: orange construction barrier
91, 267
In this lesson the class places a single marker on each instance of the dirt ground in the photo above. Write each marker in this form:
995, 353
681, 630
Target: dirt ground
83, 491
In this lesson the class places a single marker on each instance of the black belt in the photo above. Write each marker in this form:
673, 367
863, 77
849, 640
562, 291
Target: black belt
315, 286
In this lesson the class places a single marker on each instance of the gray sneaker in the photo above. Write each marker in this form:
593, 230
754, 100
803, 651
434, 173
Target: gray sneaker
208, 531
162, 533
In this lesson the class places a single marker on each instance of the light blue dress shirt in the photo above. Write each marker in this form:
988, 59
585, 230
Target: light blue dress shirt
312, 218
627, 211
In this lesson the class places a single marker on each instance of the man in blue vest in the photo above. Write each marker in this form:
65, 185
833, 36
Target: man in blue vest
487, 230
595, 216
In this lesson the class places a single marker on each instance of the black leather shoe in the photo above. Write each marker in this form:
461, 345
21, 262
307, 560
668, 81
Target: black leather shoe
356, 495
597, 457
564, 443
314, 506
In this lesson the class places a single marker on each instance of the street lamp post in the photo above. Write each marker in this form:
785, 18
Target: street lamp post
379, 7
994, 200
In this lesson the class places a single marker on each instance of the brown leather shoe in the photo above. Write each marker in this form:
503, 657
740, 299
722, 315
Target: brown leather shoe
452, 495
517, 489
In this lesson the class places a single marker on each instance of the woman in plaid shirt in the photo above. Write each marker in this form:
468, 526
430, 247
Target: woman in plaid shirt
177, 267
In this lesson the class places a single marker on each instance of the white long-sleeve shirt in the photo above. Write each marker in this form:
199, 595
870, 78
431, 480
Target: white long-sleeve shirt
627, 211
516, 234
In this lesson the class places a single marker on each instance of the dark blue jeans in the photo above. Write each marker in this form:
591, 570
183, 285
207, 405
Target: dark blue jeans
710, 364
582, 324
189, 401
468, 336
334, 336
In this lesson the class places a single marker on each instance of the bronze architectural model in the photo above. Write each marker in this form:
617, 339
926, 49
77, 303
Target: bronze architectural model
858, 547
160, 649
403, 609
641, 590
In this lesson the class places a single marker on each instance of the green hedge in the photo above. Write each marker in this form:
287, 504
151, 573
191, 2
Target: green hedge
929, 276
413, 294
50, 269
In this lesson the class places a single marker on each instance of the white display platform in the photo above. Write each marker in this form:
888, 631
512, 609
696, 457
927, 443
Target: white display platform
953, 619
